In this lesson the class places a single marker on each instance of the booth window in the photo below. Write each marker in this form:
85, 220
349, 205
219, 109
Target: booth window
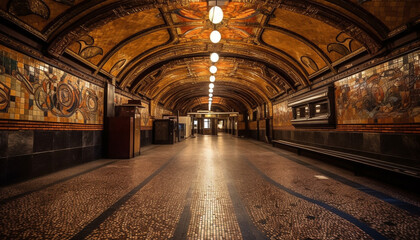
207, 123
314, 109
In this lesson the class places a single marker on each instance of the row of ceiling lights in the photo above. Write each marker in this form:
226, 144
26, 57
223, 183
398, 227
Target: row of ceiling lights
215, 16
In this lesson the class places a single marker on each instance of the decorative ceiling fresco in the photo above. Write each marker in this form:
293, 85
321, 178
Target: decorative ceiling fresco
160, 49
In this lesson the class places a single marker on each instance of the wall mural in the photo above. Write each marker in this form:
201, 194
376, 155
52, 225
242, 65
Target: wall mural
146, 121
282, 115
385, 94
120, 99
388, 93
33, 90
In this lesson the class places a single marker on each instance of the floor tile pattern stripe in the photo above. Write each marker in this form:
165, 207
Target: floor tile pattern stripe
101, 218
371, 232
6, 200
384, 197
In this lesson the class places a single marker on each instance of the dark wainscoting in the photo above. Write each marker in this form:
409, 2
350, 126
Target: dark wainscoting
242, 133
253, 134
146, 137
393, 147
27, 154
261, 134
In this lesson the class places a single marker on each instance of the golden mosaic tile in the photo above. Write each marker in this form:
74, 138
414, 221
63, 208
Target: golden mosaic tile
387, 93
315, 31
393, 13
33, 90
111, 34
283, 42
135, 48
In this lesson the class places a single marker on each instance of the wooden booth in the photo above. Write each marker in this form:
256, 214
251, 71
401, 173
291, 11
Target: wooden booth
124, 131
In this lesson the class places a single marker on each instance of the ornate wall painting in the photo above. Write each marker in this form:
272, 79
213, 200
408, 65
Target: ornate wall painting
146, 121
282, 115
4, 97
388, 93
33, 90
120, 99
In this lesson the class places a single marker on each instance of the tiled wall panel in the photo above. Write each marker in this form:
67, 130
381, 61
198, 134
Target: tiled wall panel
384, 98
386, 94
35, 91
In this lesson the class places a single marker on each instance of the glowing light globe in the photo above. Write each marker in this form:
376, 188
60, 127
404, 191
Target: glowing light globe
211, 85
212, 78
216, 14
215, 36
213, 69
214, 57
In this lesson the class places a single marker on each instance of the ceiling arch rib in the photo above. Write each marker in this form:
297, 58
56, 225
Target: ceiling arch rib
257, 77
282, 80
217, 108
230, 103
201, 103
145, 67
242, 93
258, 88
251, 95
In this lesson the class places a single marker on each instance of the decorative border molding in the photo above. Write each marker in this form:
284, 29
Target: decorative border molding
22, 25
34, 125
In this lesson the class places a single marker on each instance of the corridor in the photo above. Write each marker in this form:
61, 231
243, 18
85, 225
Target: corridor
208, 187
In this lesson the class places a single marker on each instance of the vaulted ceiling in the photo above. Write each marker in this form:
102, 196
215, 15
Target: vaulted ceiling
160, 49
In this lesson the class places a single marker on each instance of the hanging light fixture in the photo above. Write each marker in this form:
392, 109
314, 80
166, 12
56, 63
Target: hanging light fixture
210, 90
215, 36
212, 78
211, 85
210, 99
210, 94
213, 69
216, 14
214, 57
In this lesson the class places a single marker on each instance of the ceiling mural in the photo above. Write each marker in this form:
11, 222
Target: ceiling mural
160, 49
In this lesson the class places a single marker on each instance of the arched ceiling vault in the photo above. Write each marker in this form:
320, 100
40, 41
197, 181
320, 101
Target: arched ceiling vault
226, 103
160, 48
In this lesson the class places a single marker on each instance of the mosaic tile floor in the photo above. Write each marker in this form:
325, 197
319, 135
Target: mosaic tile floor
209, 187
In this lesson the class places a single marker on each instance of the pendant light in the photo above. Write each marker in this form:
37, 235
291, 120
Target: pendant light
213, 69
214, 57
215, 36
216, 14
